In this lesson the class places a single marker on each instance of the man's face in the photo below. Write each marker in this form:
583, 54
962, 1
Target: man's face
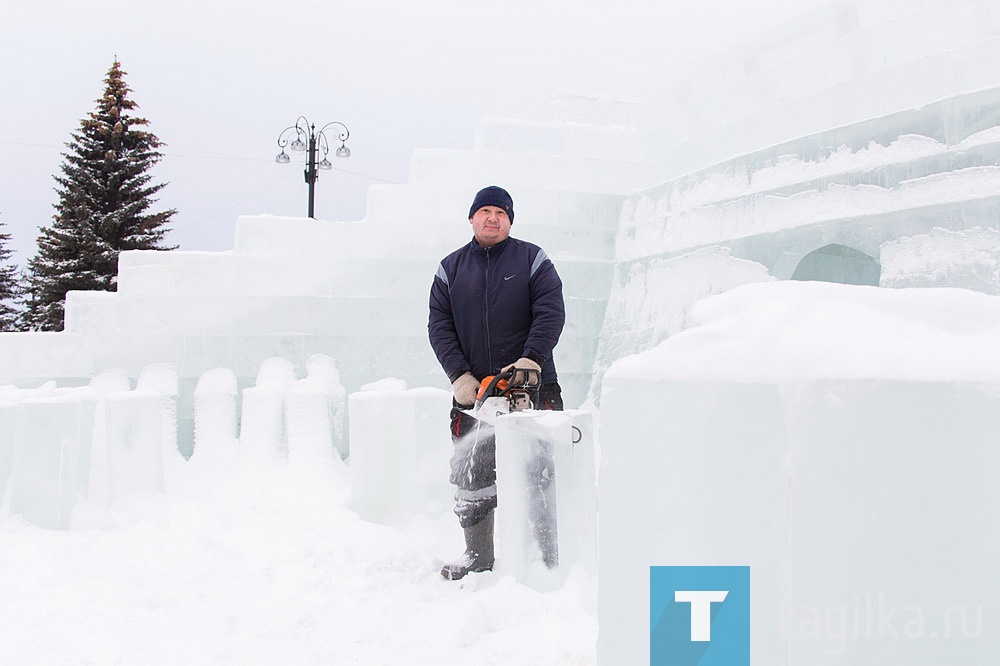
490, 225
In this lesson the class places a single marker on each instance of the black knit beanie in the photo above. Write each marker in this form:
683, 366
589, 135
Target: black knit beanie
493, 196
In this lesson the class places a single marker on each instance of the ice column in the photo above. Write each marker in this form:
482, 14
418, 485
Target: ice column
161, 379
106, 383
432, 407
262, 420
215, 414
384, 487
314, 414
134, 435
85, 443
44, 469
7, 417
547, 494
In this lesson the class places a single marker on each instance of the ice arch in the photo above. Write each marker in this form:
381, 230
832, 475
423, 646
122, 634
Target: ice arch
829, 263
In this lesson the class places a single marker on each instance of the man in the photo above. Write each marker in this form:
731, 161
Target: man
495, 304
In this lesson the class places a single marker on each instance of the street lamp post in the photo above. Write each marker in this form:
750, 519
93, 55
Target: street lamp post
314, 140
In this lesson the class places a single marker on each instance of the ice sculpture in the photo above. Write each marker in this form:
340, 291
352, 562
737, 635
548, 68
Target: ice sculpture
547, 496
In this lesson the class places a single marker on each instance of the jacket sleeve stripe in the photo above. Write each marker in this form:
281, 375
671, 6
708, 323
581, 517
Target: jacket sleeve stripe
442, 274
540, 258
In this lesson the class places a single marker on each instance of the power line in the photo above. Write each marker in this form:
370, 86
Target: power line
216, 157
229, 208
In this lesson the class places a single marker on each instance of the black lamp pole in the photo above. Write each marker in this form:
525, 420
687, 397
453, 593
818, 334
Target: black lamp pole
314, 141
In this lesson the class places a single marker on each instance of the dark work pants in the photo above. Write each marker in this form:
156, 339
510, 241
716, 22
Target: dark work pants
473, 464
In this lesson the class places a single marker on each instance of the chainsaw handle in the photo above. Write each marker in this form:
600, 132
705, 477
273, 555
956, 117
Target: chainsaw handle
488, 391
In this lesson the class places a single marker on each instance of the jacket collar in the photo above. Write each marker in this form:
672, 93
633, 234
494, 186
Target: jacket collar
495, 250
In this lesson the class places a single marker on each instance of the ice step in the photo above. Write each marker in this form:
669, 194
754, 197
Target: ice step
524, 171
148, 273
400, 204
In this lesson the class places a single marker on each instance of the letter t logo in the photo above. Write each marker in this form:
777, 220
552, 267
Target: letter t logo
701, 610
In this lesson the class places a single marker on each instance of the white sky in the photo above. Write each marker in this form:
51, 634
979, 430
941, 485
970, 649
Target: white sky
219, 79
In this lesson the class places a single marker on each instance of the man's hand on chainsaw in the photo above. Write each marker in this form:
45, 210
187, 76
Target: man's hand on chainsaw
465, 389
522, 363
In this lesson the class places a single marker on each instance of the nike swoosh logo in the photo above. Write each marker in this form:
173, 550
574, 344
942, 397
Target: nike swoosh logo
509, 277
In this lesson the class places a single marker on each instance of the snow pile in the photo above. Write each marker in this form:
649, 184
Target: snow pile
782, 331
268, 565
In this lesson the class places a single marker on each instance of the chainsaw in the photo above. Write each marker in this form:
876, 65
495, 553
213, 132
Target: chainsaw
499, 394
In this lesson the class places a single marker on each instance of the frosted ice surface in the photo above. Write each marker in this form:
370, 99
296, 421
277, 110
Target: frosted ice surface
385, 384
262, 417
110, 381
400, 447
383, 454
837, 439
161, 379
7, 420
215, 414
546, 486
432, 407
969, 259
276, 370
45, 470
134, 434
314, 413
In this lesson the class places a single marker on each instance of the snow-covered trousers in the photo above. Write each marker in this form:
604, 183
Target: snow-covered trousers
473, 464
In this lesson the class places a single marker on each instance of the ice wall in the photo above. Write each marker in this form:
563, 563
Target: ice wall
969, 259
853, 125
842, 64
651, 299
839, 440
108, 442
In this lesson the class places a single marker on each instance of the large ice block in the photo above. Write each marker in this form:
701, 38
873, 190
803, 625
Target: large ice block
838, 440
383, 455
85, 444
547, 496
314, 414
161, 378
691, 474
108, 382
400, 448
215, 414
44, 470
7, 420
432, 407
262, 418
134, 432
891, 499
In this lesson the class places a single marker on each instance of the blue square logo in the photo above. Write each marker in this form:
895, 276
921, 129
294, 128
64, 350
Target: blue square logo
699, 616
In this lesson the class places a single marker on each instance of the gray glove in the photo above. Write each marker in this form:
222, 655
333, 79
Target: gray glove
465, 389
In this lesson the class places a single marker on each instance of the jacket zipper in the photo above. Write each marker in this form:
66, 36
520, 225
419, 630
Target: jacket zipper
486, 319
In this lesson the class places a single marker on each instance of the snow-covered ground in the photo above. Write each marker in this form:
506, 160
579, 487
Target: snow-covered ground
268, 565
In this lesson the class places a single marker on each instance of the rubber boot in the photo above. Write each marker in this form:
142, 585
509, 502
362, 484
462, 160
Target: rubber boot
478, 556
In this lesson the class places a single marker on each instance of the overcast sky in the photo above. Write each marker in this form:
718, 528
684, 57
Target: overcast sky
219, 79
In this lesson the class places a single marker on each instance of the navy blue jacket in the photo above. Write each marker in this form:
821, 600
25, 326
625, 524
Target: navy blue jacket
492, 306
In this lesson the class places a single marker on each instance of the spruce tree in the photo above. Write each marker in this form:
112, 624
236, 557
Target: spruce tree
10, 287
105, 195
